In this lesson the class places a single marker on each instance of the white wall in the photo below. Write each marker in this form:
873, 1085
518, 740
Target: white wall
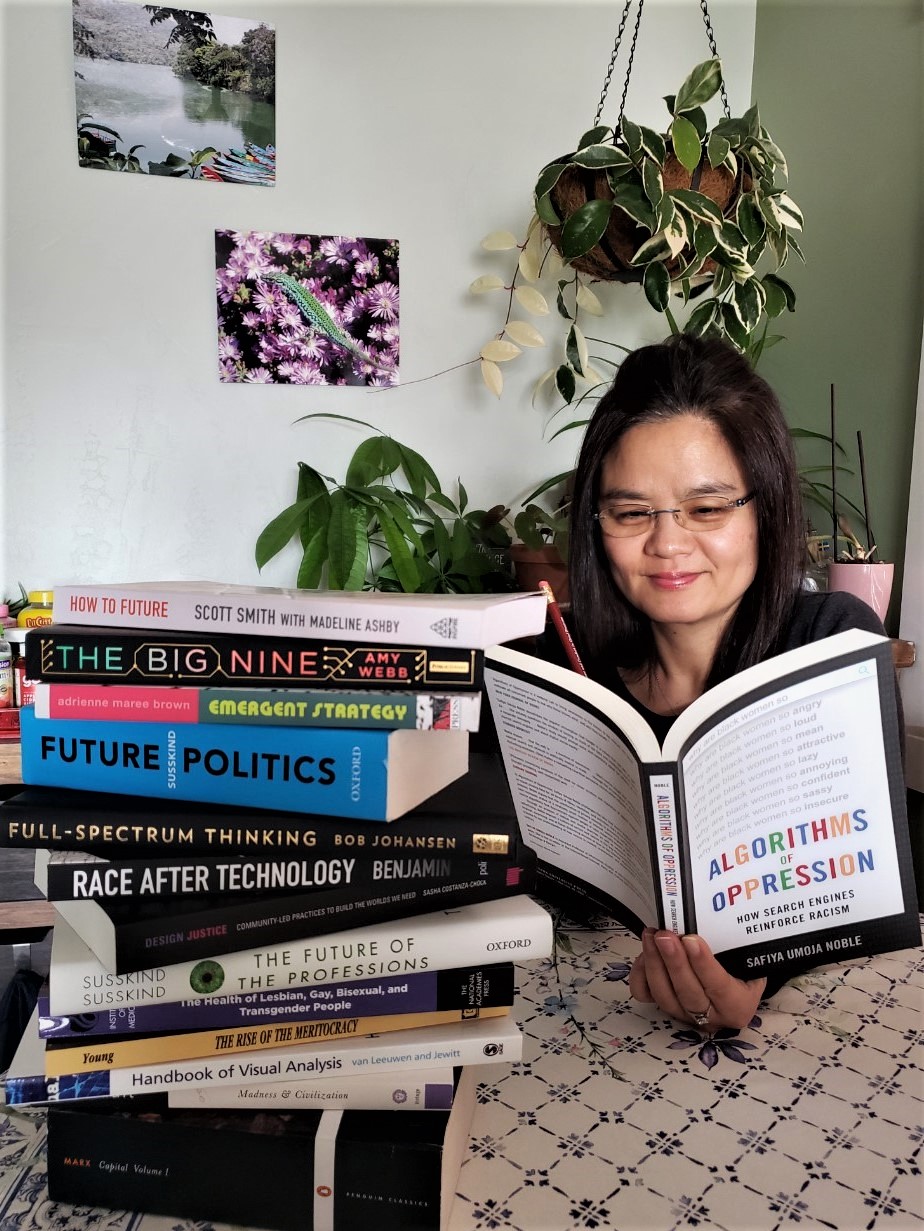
122, 456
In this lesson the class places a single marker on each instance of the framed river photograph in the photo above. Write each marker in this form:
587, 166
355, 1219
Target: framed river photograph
174, 92
306, 309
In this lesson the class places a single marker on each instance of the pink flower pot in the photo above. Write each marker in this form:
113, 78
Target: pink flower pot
871, 582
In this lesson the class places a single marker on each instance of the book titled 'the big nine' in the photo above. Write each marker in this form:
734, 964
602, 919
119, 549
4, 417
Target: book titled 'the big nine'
364, 775
475, 621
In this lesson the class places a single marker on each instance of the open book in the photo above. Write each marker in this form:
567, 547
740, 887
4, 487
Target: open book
772, 822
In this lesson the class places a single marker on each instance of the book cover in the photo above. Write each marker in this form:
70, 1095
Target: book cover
318, 1170
484, 1040
65, 875
365, 775
286, 707
772, 822
515, 928
368, 1092
69, 654
135, 934
472, 815
474, 621
73, 1056
468, 987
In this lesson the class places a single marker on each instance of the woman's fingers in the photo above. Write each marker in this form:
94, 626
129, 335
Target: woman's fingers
682, 976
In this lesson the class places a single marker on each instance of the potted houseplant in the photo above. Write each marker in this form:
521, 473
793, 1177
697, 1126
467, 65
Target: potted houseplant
851, 566
539, 551
388, 526
689, 214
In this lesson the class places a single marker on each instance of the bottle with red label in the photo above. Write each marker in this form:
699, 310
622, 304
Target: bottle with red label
39, 610
6, 674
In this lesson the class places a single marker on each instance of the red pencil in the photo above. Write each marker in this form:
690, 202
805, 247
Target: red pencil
562, 629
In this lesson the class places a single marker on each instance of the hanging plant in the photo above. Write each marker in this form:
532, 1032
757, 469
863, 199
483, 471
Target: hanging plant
689, 214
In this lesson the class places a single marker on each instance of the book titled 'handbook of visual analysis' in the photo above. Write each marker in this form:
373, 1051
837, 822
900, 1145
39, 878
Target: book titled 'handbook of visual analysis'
772, 822
364, 775
472, 620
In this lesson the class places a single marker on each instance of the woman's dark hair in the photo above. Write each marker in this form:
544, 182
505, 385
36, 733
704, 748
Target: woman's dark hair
707, 378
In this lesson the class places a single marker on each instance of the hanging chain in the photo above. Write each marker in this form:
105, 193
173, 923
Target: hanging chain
625, 87
712, 47
609, 71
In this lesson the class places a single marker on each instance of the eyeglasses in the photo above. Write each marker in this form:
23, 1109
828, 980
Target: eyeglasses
622, 521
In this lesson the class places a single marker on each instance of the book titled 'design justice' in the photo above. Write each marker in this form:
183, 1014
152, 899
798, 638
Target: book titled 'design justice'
471, 620
69, 654
365, 775
286, 707
298, 1171
514, 928
772, 822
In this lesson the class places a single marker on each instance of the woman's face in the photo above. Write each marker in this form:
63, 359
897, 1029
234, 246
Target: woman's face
676, 575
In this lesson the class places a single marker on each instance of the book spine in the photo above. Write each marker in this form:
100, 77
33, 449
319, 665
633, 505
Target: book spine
486, 1040
335, 773
368, 1092
300, 614
444, 939
62, 1057
287, 707
78, 877
469, 987
133, 942
665, 829
65, 654
116, 834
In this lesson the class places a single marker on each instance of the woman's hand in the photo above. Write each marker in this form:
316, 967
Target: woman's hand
681, 976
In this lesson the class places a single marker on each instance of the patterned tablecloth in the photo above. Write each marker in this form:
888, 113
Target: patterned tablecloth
810, 1117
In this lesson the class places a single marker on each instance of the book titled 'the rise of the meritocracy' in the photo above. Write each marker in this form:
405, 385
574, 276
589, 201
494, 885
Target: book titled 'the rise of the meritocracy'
772, 822
364, 775
472, 620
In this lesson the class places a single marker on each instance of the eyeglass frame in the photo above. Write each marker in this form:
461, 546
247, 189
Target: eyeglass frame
652, 514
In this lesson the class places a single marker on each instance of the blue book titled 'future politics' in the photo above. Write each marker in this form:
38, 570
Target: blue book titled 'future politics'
361, 774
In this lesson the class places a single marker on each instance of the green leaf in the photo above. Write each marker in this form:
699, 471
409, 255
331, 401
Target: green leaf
686, 142
401, 559
584, 229
595, 157
657, 285
653, 144
702, 318
374, 457
312, 562
751, 117
782, 285
418, 471
704, 241
595, 135
346, 540
702, 84
717, 149
653, 182
632, 135
665, 214
548, 178
312, 487
631, 199
749, 219
274, 536
775, 297
736, 332
546, 211
731, 239
794, 245
565, 381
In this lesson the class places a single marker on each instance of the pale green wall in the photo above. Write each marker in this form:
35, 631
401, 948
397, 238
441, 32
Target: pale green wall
839, 88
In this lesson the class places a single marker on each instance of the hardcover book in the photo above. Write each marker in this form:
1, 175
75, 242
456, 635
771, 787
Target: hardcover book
471, 620
467, 987
315, 1170
128, 934
484, 1040
69, 654
497, 931
286, 707
365, 775
473, 815
772, 822
424, 1091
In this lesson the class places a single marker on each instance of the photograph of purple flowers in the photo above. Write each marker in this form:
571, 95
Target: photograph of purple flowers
174, 92
306, 309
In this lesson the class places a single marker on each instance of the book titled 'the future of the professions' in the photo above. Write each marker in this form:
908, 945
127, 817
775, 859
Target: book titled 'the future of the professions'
472, 620
773, 821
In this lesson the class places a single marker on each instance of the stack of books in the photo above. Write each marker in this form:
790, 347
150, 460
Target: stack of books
245, 944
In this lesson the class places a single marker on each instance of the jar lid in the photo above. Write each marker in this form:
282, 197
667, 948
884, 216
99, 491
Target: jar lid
41, 596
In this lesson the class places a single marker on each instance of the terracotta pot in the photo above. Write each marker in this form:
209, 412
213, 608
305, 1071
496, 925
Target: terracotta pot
610, 259
870, 582
545, 564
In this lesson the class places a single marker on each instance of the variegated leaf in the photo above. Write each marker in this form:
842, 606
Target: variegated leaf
532, 300
588, 301
499, 351
493, 377
702, 84
499, 241
790, 213
487, 282
596, 157
524, 333
541, 383
717, 149
528, 263
657, 248
580, 343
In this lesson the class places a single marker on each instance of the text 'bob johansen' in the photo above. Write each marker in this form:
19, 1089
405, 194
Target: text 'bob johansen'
789, 875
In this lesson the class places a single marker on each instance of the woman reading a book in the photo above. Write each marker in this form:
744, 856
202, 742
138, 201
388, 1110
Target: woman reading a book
686, 564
